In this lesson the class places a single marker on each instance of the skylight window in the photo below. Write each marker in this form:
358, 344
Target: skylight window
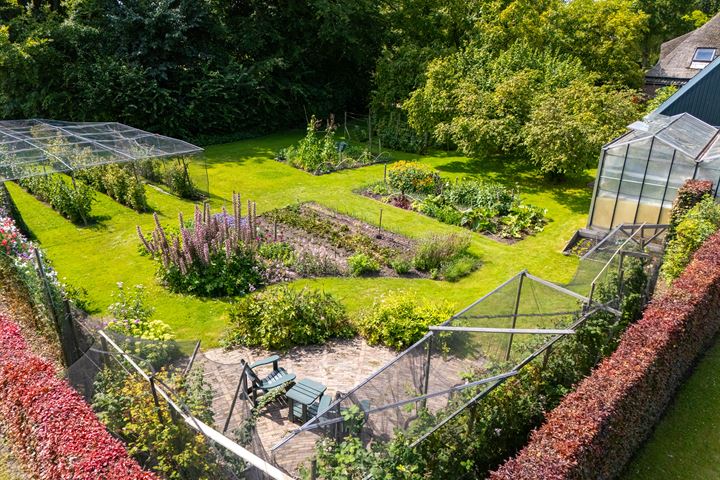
704, 55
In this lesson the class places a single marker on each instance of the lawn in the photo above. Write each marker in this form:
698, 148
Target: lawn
99, 256
685, 443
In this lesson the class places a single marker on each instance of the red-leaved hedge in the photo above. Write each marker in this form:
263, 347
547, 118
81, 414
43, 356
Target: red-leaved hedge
596, 429
52, 430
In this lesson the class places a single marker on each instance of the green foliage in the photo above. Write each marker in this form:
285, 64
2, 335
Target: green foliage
661, 95
169, 447
119, 183
413, 177
695, 227
278, 251
361, 264
320, 153
309, 264
568, 127
401, 266
71, 201
177, 178
280, 318
445, 256
399, 320
459, 267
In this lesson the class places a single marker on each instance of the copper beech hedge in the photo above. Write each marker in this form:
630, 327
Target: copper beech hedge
596, 429
53, 431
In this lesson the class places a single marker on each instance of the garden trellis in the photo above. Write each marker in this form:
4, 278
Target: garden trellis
38, 147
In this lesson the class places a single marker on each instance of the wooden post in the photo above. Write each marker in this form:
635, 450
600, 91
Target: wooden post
426, 371
242, 383
380, 224
514, 318
370, 131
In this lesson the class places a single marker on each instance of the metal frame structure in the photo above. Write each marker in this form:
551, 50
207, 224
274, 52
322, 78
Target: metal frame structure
38, 147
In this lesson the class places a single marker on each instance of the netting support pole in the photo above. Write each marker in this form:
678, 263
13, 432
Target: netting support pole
155, 398
515, 315
426, 381
73, 354
52, 313
546, 357
621, 280
242, 383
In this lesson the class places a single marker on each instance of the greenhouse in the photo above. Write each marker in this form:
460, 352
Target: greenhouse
640, 172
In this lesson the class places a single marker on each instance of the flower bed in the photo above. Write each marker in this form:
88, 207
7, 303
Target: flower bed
479, 206
53, 432
596, 429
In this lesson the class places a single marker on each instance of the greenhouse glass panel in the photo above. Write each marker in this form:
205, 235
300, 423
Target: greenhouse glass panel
632, 180
688, 134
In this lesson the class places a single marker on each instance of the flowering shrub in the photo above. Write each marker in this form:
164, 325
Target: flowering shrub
596, 429
53, 432
283, 317
212, 257
413, 177
12, 241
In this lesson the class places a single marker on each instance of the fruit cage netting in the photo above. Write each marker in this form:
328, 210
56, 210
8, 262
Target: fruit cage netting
162, 372
459, 362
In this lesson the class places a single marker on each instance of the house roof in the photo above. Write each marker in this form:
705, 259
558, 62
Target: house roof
676, 55
699, 97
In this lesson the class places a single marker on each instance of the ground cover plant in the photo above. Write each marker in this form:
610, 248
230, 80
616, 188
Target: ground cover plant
280, 318
323, 151
479, 206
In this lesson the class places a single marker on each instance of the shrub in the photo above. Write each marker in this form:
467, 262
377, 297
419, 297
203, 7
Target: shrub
478, 194
696, 226
284, 317
119, 183
401, 265
361, 264
213, 257
53, 432
413, 177
435, 251
12, 241
309, 264
689, 194
399, 320
177, 178
71, 201
596, 429
459, 267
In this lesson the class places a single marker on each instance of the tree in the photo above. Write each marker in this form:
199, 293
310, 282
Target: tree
568, 127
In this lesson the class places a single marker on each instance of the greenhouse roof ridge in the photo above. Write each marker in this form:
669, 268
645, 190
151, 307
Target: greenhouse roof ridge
39, 146
695, 138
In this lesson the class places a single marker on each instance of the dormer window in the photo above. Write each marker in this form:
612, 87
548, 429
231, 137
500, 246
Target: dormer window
703, 57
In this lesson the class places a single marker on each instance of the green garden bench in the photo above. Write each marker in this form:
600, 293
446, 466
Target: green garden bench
278, 377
